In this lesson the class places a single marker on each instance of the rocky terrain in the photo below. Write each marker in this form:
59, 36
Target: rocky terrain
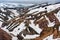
35, 22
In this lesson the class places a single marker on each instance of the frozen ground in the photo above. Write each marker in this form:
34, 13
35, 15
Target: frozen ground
49, 8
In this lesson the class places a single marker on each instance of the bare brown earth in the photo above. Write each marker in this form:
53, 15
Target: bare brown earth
4, 35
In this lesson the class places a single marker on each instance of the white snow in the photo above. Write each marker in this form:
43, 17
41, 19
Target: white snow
31, 36
49, 37
37, 10
16, 31
58, 16
14, 38
14, 11
35, 27
32, 25
51, 24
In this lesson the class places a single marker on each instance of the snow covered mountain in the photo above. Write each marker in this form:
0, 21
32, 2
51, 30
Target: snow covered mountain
13, 5
32, 10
